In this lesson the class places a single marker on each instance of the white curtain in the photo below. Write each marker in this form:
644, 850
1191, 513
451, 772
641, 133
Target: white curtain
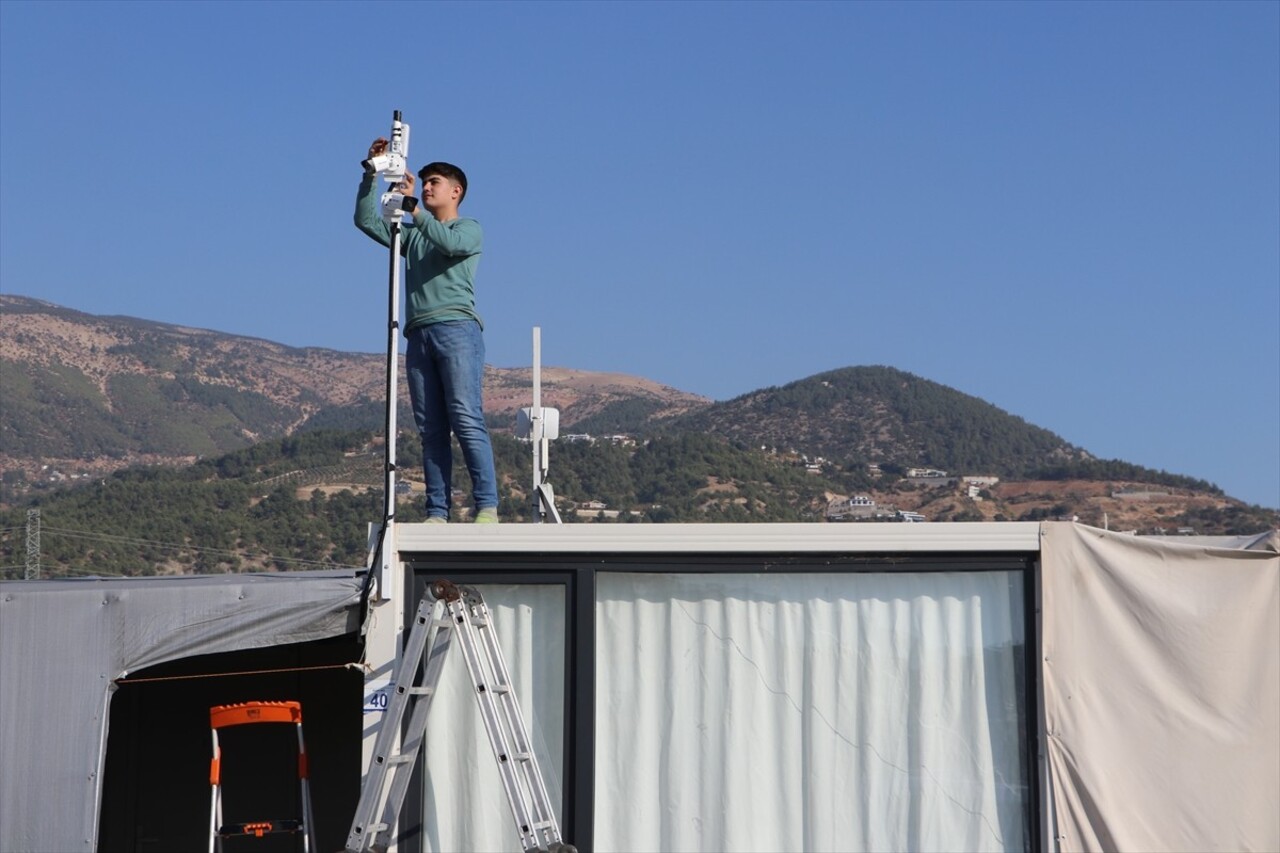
809, 712
464, 807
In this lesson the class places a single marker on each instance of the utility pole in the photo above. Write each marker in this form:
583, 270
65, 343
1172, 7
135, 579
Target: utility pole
33, 545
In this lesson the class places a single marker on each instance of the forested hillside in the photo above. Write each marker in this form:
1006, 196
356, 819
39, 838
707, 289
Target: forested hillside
306, 501
857, 416
86, 395
150, 448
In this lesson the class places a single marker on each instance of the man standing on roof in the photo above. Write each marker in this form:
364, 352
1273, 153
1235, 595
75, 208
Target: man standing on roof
445, 357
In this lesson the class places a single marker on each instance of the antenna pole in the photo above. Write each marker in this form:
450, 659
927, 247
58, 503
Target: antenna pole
392, 165
536, 425
393, 385
544, 497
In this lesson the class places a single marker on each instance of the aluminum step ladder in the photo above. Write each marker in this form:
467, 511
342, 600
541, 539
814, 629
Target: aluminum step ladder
447, 609
246, 713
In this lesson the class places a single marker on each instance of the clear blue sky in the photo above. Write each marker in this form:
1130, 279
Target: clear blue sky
1071, 210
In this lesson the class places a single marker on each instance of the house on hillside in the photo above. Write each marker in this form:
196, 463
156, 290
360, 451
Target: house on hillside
929, 478
856, 507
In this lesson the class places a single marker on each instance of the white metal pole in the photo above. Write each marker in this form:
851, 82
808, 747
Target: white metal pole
382, 641
385, 573
535, 424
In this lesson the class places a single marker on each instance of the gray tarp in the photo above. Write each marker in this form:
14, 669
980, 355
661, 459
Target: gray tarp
63, 643
1162, 691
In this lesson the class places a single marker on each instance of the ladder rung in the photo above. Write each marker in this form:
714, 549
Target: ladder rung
400, 758
259, 827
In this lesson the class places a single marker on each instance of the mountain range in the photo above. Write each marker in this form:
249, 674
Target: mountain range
85, 395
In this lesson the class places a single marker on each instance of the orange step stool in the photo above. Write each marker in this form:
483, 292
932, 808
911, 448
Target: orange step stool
245, 713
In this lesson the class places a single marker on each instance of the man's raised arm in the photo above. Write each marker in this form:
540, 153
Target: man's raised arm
368, 217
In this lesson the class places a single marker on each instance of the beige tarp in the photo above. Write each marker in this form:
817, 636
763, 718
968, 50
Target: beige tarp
1162, 692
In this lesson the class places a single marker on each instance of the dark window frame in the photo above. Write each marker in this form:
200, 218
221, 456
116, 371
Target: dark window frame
577, 572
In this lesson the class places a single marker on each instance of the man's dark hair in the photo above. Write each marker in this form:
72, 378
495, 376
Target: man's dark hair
445, 170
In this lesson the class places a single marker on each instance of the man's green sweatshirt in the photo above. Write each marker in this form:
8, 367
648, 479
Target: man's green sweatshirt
440, 260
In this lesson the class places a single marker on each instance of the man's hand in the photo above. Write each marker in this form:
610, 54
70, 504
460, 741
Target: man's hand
377, 149
406, 184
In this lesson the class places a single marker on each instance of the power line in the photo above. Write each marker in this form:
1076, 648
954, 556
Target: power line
89, 572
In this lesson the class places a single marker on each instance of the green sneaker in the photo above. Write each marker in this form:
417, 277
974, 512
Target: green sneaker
436, 519
488, 515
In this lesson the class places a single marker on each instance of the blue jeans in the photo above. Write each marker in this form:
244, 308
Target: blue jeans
445, 366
